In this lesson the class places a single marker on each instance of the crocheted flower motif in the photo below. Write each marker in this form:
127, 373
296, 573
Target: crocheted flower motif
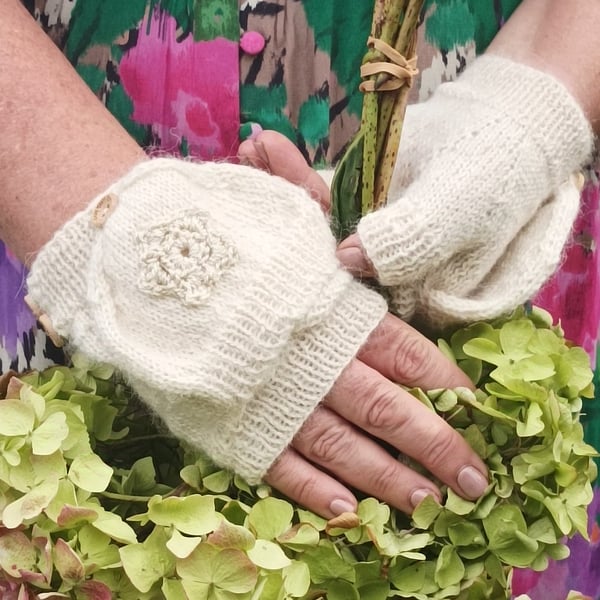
184, 258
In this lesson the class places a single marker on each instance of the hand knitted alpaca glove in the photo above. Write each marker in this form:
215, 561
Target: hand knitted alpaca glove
215, 290
482, 201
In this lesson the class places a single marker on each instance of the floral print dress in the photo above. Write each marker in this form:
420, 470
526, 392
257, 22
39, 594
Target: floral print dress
193, 78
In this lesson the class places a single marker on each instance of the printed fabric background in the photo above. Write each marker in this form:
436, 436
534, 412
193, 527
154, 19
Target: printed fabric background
183, 78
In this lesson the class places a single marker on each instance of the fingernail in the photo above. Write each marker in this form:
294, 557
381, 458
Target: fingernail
262, 154
337, 507
354, 260
419, 495
472, 482
245, 161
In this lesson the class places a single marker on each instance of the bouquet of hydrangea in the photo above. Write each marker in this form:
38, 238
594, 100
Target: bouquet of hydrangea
98, 502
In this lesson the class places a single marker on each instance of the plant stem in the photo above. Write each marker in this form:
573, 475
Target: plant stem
125, 497
386, 17
394, 107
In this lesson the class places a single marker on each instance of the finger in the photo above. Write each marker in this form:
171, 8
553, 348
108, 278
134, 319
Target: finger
352, 255
304, 483
273, 152
329, 441
376, 405
400, 353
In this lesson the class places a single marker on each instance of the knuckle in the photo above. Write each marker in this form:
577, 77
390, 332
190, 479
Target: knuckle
382, 409
384, 481
413, 358
303, 489
442, 445
324, 441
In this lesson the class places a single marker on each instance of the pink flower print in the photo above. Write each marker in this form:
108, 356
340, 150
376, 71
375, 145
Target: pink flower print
186, 90
572, 295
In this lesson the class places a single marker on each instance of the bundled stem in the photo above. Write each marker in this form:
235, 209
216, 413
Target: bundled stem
393, 108
363, 175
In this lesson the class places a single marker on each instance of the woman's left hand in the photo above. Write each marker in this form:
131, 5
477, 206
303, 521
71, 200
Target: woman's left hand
273, 152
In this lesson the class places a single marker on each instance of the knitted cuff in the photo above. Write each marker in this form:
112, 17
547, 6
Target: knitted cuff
313, 361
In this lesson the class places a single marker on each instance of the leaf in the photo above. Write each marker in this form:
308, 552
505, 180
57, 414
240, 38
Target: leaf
182, 546
218, 482
228, 569
67, 563
533, 368
449, 568
426, 513
173, 589
16, 418
542, 530
270, 517
515, 337
229, 535
48, 437
296, 579
473, 368
97, 548
485, 350
194, 515
375, 590
29, 505
113, 526
325, 563
446, 350
93, 590
300, 537
446, 401
476, 440
90, 473
458, 505
147, 563
141, 478
17, 553
412, 578
466, 534
559, 513
506, 530
71, 516
345, 210
533, 424
341, 590
267, 555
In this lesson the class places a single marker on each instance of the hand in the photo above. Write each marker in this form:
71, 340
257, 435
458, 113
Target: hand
214, 289
365, 403
482, 201
272, 152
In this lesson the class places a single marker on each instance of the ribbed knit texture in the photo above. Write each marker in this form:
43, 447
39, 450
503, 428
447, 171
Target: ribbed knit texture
215, 290
481, 203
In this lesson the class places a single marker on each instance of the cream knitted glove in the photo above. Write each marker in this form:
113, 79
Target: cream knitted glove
482, 199
215, 290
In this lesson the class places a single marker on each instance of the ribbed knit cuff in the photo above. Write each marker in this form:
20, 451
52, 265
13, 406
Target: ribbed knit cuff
312, 365
305, 374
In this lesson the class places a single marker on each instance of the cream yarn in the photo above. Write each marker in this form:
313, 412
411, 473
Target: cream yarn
482, 201
215, 290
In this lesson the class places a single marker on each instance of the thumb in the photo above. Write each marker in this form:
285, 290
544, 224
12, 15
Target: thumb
353, 257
